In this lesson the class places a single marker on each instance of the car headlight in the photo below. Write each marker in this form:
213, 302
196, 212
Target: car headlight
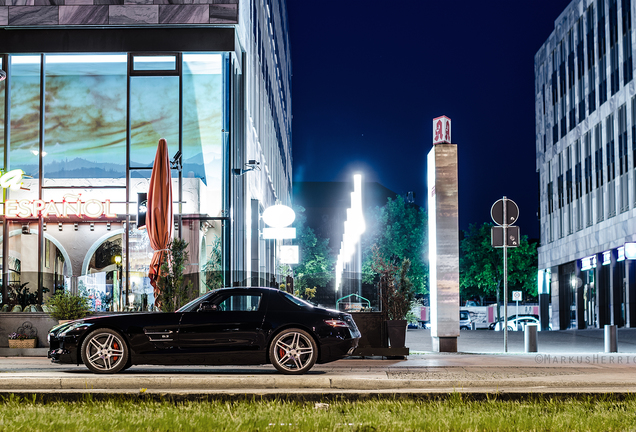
74, 326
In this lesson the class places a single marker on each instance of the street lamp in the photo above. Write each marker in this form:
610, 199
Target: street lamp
116, 281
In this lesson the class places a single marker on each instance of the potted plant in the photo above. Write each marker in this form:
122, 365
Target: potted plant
21, 340
396, 292
65, 306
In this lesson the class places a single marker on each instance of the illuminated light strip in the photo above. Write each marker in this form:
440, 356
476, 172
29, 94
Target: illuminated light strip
354, 227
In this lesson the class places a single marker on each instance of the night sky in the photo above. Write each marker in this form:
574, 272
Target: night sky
370, 76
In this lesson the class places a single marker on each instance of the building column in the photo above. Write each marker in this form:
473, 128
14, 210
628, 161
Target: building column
630, 294
580, 297
555, 293
602, 284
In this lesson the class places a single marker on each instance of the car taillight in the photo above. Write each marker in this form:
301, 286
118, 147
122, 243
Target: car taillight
336, 323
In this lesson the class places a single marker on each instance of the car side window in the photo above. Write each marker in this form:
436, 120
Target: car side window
239, 303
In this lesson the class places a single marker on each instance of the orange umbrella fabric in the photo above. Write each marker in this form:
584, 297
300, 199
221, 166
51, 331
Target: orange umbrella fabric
159, 217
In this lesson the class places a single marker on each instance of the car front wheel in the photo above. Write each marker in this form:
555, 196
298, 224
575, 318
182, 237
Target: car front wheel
293, 351
104, 351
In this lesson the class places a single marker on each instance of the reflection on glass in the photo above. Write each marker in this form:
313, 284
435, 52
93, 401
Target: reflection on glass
140, 293
23, 292
25, 113
202, 125
148, 63
85, 117
154, 113
103, 282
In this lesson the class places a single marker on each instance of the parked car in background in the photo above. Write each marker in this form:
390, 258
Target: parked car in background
520, 323
230, 326
465, 323
491, 326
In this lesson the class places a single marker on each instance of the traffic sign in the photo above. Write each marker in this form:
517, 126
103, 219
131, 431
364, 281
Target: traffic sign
497, 236
497, 212
516, 296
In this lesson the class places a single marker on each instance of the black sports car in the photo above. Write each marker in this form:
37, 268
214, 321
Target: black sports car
229, 326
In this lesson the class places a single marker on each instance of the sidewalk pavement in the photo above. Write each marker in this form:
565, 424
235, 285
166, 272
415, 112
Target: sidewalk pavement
421, 374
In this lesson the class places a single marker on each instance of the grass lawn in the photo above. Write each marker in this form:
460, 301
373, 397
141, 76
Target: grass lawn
455, 412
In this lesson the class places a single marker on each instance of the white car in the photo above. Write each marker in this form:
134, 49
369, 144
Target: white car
519, 324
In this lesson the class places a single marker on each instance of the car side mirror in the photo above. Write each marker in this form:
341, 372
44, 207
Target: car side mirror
207, 307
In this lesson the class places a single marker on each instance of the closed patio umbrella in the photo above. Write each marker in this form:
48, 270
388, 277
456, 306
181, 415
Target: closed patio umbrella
159, 218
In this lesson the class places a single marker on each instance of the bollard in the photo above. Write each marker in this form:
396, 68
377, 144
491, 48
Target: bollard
611, 340
530, 338
473, 326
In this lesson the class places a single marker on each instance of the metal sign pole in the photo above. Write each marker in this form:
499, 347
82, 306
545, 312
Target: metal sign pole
505, 273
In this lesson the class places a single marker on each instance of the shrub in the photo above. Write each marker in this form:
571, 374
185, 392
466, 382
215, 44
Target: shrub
66, 306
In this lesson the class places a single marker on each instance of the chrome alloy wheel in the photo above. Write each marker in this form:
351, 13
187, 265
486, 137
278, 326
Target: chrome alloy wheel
293, 351
104, 351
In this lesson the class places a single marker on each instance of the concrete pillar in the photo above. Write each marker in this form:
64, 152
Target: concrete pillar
530, 338
443, 229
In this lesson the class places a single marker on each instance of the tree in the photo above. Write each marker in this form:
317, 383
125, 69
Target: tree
316, 266
171, 281
399, 229
481, 265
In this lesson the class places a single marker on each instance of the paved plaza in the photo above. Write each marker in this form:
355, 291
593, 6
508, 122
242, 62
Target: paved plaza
568, 362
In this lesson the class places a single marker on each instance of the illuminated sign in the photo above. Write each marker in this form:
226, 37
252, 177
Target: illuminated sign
11, 179
588, 263
72, 205
621, 254
607, 257
630, 250
289, 254
278, 217
441, 130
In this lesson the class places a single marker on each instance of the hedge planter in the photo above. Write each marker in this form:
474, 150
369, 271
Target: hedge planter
397, 333
22, 343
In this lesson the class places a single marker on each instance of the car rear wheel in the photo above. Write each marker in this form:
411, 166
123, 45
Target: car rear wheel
293, 351
104, 351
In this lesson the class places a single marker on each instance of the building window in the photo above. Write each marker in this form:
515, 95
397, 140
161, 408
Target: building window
550, 192
572, 112
578, 185
555, 99
623, 165
602, 66
610, 156
626, 7
580, 57
560, 194
598, 163
562, 88
587, 140
591, 59
569, 190
613, 40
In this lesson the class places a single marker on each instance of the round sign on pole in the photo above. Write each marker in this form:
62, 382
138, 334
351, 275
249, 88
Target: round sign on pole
516, 296
497, 212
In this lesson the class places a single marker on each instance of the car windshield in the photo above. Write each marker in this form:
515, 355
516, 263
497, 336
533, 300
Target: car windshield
463, 315
193, 305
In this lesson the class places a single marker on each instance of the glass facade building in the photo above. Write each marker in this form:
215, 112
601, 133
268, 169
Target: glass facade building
585, 109
82, 110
